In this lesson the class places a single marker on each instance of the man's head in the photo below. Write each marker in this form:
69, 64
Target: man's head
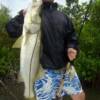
47, 1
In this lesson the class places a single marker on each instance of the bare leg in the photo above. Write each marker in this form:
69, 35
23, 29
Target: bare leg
80, 96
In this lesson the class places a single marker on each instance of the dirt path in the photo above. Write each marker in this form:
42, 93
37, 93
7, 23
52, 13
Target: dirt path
11, 91
17, 90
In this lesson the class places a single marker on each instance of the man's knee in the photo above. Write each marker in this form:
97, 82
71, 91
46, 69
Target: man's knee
80, 96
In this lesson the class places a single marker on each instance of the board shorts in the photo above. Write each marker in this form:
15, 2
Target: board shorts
46, 87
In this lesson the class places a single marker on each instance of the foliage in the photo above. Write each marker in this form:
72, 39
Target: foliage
89, 44
75, 12
4, 17
8, 61
87, 67
9, 58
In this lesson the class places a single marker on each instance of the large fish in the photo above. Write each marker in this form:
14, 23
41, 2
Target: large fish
30, 48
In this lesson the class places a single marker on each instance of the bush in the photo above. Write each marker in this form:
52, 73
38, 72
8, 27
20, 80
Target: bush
9, 61
87, 67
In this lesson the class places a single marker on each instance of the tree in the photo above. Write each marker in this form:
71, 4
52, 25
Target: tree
4, 17
76, 12
89, 59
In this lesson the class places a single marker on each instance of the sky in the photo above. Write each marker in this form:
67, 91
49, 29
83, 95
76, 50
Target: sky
16, 5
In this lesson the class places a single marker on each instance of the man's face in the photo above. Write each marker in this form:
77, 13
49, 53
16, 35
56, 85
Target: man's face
47, 0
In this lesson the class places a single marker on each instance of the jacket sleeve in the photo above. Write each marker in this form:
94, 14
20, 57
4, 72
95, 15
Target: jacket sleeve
71, 39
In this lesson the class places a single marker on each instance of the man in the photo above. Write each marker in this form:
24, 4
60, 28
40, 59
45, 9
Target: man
59, 47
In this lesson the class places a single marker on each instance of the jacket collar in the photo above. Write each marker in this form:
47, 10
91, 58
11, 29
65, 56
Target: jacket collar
48, 5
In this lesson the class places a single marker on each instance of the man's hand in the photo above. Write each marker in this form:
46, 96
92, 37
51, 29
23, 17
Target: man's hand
71, 53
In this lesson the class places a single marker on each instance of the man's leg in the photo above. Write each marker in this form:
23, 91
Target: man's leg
72, 85
43, 88
80, 96
46, 87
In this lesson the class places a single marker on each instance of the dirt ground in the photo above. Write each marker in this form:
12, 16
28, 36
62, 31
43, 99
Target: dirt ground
14, 91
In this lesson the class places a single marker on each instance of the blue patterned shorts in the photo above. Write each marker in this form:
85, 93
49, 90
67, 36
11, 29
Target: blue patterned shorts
47, 86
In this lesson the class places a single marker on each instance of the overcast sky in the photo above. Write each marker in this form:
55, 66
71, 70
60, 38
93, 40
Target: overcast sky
16, 5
